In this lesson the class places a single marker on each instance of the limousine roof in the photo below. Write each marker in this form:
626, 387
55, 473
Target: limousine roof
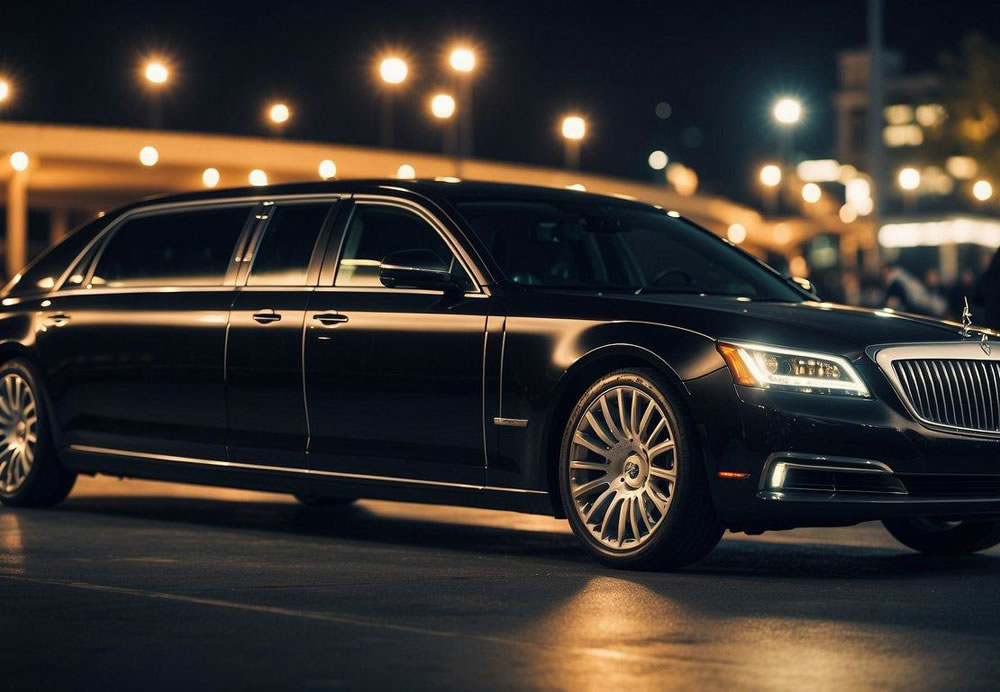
434, 189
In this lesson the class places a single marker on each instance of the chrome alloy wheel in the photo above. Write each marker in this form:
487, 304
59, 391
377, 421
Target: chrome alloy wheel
622, 467
18, 431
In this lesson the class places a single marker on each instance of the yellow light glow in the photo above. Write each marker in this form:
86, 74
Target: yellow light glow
811, 193
574, 127
258, 177
19, 161
797, 266
909, 178
211, 177
962, 167
848, 214
737, 233
782, 233
4, 90
684, 179
156, 72
406, 172
770, 175
327, 169
579, 187
658, 160
818, 171
930, 114
982, 190
279, 113
393, 70
442, 106
956, 229
788, 111
148, 156
899, 114
462, 60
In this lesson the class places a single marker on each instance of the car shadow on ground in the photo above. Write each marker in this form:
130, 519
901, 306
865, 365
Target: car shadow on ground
734, 557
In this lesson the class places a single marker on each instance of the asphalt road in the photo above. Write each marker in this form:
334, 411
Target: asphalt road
134, 585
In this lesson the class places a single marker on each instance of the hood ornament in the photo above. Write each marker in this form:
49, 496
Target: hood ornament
984, 340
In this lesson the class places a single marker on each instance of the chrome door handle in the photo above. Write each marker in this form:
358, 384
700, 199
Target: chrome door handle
266, 316
330, 318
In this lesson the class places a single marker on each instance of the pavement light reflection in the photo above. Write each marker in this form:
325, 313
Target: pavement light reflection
11, 544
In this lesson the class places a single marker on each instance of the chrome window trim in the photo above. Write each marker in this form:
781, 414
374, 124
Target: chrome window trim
90, 449
468, 264
885, 355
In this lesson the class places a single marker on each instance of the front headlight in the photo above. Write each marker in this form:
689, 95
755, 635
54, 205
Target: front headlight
756, 365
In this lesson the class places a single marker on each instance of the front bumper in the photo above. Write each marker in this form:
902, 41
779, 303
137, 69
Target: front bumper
927, 472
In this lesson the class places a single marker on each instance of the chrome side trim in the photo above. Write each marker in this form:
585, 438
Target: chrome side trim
89, 449
511, 422
885, 355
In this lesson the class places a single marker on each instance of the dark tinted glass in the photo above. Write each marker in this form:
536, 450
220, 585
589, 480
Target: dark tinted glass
600, 246
282, 259
375, 231
186, 248
44, 272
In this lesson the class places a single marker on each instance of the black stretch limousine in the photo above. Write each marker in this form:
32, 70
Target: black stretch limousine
494, 345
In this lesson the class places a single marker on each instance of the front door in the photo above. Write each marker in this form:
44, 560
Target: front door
267, 416
135, 353
394, 377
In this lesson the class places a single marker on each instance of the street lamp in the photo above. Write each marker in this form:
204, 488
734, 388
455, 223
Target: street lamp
463, 62
148, 156
574, 129
327, 169
909, 180
278, 115
770, 178
787, 112
658, 160
392, 71
157, 74
4, 90
210, 177
442, 106
982, 190
19, 161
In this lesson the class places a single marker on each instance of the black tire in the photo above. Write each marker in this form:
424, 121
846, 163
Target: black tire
689, 529
47, 483
317, 501
939, 537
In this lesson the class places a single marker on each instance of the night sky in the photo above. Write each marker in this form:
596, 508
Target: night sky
719, 65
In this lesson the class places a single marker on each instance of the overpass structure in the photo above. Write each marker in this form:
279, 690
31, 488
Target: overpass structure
75, 171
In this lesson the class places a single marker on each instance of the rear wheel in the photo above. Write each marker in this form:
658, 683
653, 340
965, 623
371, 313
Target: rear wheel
30, 472
632, 479
941, 537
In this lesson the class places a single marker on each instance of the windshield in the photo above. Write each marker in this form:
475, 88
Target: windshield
600, 246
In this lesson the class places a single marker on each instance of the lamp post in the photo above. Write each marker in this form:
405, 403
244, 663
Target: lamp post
463, 62
443, 109
574, 129
393, 71
787, 113
156, 74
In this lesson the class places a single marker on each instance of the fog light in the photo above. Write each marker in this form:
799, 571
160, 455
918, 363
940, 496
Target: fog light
778, 474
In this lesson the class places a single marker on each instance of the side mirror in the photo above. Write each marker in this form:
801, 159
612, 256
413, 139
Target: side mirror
805, 284
415, 269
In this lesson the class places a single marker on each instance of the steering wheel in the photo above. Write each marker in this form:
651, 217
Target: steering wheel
687, 277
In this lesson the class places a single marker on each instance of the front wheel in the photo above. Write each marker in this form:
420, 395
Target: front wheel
30, 472
632, 479
941, 537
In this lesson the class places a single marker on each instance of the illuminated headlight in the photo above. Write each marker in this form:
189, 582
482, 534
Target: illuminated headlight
755, 365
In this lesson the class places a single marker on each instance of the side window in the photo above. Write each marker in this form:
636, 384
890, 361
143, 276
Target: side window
44, 272
282, 257
377, 230
184, 248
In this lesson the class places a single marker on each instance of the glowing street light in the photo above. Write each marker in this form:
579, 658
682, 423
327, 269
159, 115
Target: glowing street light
982, 190
811, 193
770, 175
462, 60
442, 106
4, 90
909, 178
574, 129
19, 161
736, 233
406, 172
278, 113
393, 70
156, 72
327, 169
211, 177
788, 111
658, 160
148, 156
258, 177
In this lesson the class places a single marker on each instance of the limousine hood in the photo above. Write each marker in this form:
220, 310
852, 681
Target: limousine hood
810, 325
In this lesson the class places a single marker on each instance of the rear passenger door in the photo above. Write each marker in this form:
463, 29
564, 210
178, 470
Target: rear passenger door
134, 346
267, 416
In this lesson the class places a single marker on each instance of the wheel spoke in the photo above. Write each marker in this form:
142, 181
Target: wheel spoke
633, 411
598, 502
666, 474
588, 466
591, 486
611, 510
625, 508
601, 433
657, 501
634, 506
608, 419
656, 431
621, 414
584, 442
660, 449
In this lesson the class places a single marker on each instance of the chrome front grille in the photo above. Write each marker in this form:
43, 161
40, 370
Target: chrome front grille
953, 392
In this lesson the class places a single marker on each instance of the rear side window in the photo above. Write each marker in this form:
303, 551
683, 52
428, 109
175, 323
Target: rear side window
375, 231
184, 248
282, 258
44, 272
